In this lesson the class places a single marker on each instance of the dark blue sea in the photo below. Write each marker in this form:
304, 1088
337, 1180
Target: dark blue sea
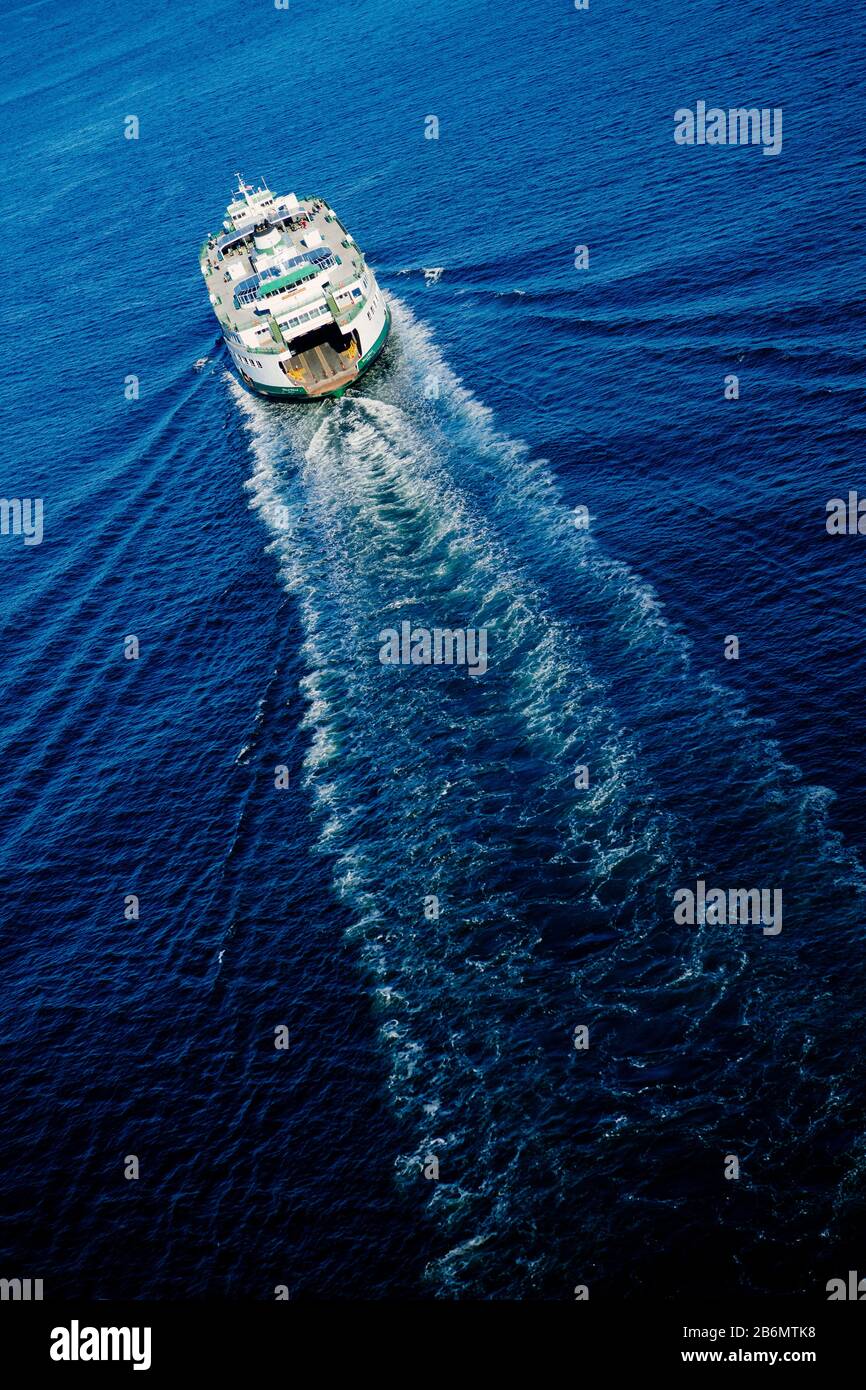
256, 549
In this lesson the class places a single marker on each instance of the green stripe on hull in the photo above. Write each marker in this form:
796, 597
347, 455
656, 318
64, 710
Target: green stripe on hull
297, 393
369, 357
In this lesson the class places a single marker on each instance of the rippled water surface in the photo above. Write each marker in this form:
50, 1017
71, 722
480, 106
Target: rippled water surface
257, 550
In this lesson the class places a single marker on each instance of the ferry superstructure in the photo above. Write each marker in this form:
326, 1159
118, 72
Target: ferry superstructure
300, 310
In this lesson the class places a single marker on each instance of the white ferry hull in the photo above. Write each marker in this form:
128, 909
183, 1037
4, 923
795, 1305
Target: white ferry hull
270, 379
300, 310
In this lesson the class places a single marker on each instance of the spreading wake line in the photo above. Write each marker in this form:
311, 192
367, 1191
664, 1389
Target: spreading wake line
552, 906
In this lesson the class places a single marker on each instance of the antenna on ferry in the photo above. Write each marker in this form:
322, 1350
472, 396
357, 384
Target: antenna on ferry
242, 188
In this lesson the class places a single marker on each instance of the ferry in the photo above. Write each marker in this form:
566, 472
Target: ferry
300, 309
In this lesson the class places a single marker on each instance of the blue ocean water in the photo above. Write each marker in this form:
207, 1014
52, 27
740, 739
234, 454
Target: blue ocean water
256, 550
